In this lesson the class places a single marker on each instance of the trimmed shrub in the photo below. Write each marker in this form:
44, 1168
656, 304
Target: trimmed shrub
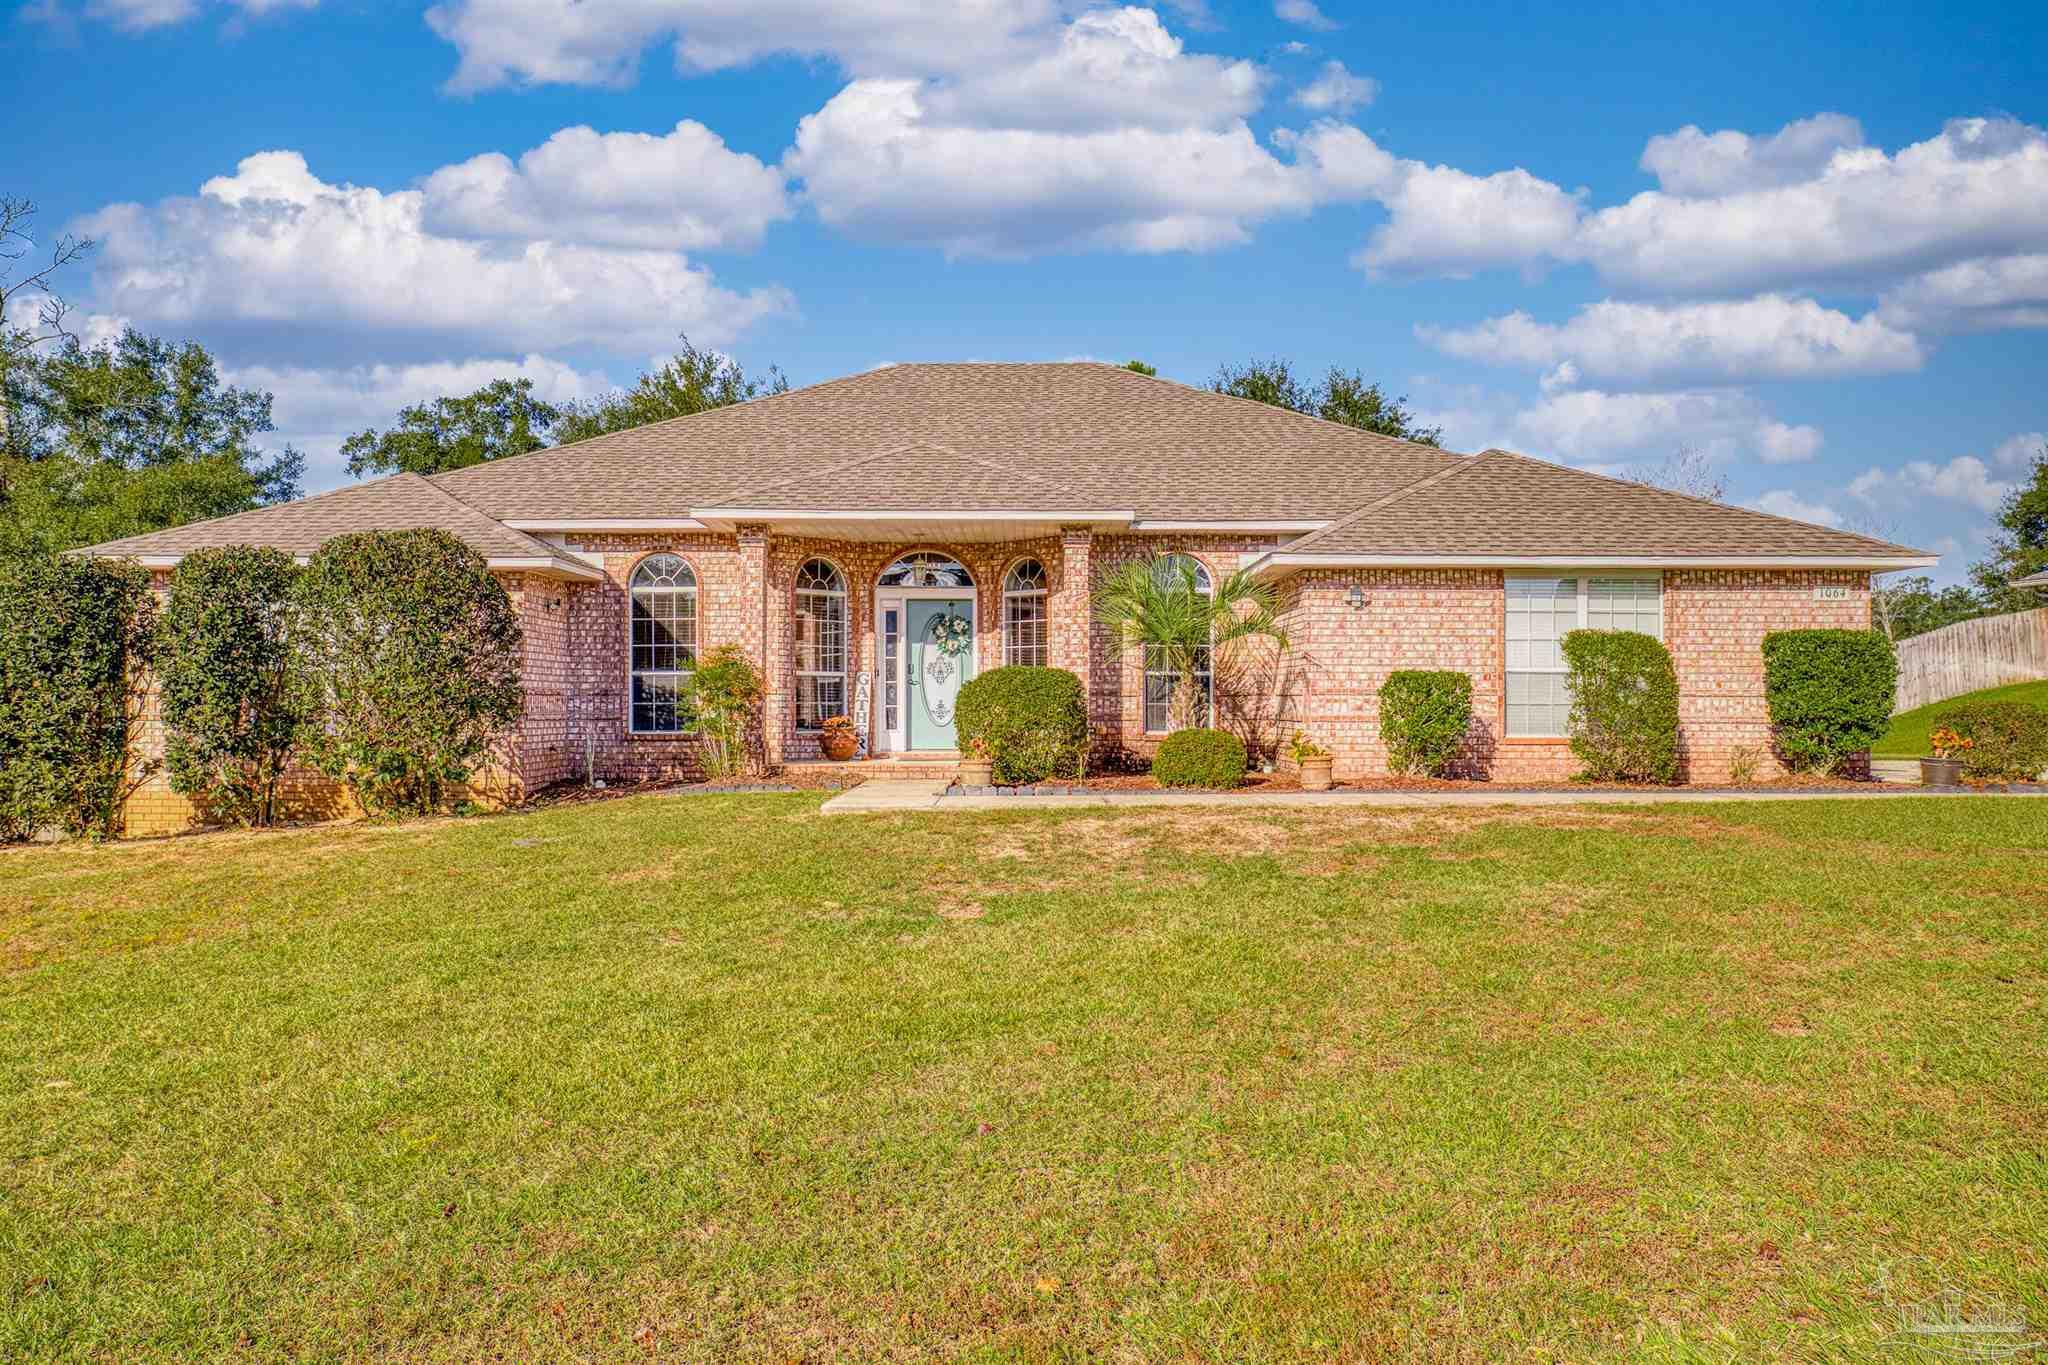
407, 665
723, 699
1423, 719
73, 635
1624, 723
1200, 758
1829, 691
1034, 721
2008, 739
224, 668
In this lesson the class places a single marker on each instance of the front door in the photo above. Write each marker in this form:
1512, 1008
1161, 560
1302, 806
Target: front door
940, 659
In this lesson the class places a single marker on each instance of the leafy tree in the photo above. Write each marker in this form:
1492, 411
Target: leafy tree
73, 634
1162, 608
1340, 397
1140, 367
1914, 606
693, 381
224, 669
407, 665
2020, 548
501, 418
130, 436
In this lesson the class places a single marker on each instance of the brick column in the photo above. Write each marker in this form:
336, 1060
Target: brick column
1070, 609
761, 625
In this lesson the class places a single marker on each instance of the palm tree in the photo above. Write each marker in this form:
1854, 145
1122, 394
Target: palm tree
1166, 607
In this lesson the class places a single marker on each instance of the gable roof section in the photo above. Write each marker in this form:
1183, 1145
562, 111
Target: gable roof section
1499, 507
401, 502
1097, 433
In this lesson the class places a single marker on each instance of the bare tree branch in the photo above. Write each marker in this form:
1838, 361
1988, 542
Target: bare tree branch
1689, 471
17, 241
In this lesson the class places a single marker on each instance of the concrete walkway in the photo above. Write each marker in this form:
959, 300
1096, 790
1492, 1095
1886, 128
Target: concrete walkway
932, 795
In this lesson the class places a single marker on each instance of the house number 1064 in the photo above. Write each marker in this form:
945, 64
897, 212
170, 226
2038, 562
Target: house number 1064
1831, 594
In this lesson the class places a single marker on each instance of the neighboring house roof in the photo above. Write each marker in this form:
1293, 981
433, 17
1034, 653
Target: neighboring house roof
1500, 506
904, 448
402, 502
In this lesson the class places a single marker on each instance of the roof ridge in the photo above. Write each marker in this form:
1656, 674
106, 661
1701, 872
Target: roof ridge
905, 448
473, 510
359, 486
1465, 462
1698, 500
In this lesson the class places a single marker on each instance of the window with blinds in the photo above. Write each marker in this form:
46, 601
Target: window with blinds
1540, 610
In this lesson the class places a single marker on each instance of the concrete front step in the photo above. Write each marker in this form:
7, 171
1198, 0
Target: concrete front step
911, 767
1906, 770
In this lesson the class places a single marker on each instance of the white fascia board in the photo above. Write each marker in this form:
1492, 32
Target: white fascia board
1151, 525
553, 566
1282, 559
604, 524
925, 514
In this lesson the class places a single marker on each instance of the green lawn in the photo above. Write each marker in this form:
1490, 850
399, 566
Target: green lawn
1908, 736
716, 1077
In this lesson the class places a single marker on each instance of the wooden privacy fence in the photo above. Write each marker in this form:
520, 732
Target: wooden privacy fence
1990, 651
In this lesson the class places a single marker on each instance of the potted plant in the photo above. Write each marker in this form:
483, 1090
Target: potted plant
1945, 769
977, 764
1314, 761
838, 739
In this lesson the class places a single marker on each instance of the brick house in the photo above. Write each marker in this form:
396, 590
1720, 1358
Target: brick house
848, 535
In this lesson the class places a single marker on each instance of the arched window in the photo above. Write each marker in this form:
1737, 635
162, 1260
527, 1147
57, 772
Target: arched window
1024, 613
1167, 571
820, 644
926, 569
664, 645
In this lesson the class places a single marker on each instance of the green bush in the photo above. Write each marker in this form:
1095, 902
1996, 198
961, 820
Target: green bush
1624, 723
2008, 739
407, 666
723, 699
224, 668
1829, 691
1034, 721
74, 633
1200, 758
1423, 719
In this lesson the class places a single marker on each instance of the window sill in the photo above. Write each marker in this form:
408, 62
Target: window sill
659, 736
1539, 740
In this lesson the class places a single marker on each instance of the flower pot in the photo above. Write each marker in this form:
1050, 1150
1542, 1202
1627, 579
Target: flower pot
1941, 772
839, 745
1315, 774
977, 772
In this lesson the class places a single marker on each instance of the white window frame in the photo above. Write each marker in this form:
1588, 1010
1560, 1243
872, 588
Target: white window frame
1019, 597
1583, 579
684, 588
821, 676
1206, 675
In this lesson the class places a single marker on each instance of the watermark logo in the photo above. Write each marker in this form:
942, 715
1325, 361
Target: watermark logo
1952, 1324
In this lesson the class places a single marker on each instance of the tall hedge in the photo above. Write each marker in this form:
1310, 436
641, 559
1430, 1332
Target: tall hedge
1624, 720
1034, 720
74, 633
1830, 693
1423, 719
408, 665
224, 668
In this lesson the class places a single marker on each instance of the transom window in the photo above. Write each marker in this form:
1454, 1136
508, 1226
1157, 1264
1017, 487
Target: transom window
1161, 680
664, 642
926, 570
820, 644
1024, 613
1539, 613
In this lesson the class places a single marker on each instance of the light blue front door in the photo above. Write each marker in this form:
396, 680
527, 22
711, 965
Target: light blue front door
941, 658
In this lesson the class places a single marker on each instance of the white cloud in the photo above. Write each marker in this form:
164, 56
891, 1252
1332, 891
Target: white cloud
684, 190
2019, 452
1974, 296
140, 16
1964, 479
1594, 425
1444, 221
1783, 502
1304, 13
1336, 91
1652, 345
317, 409
1692, 162
503, 42
276, 250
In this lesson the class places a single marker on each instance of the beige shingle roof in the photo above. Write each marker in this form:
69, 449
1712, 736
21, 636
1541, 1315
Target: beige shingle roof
915, 473
1500, 503
402, 502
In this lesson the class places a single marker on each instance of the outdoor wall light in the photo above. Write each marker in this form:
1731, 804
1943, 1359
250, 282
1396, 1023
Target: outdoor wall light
1355, 598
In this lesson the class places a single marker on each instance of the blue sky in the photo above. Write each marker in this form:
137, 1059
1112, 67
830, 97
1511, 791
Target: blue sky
1814, 243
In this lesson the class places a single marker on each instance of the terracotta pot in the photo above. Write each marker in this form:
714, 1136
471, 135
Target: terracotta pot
977, 772
1941, 772
839, 745
1315, 774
